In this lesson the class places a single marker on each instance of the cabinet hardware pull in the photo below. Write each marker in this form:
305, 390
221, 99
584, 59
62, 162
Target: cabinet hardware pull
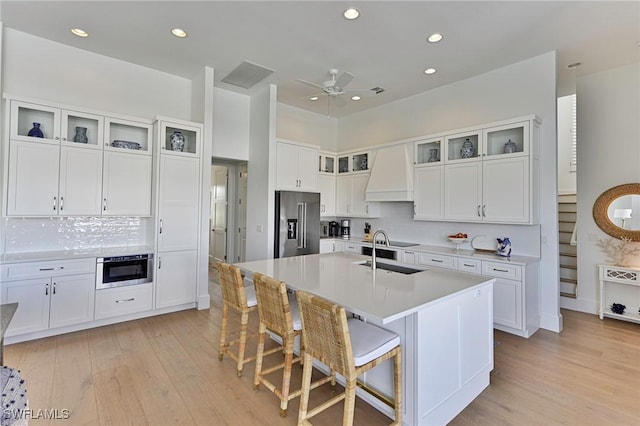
478, 210
500, 270
484, 213
437, 260
57, 268
54, 203
466, 264
104, 205
54, 288
46, 289
160, 263
64, 139
161, 226
126, 300
57, 138
408, 252
61, 203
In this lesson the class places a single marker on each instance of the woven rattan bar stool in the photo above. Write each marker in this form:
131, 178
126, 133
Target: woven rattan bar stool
242, 300
278, 314
349, 347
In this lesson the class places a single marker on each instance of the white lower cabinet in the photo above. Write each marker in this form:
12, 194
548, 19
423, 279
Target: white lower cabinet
176, 278
49, 294
437, 260
327, 246
113, 302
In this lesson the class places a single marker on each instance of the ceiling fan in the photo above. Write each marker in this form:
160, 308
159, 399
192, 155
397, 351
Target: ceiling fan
336, 85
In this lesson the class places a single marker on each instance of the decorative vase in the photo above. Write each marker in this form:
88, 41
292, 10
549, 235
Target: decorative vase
509, 147
35, 131
177, 141
81, 135
433, 155
467, 150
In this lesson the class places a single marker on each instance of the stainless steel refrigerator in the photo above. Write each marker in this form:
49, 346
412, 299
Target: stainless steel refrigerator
297, 223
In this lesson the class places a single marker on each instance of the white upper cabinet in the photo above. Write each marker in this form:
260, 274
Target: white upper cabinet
297, 167
350, 197
57, 158
126, 185
326, 163
354, 162
327, 189
179, 138
488, 174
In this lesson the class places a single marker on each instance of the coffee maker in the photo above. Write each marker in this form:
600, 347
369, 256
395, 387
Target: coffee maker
345, 228
334, 229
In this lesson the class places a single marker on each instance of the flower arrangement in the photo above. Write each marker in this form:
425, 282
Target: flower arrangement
618, 251
617, 308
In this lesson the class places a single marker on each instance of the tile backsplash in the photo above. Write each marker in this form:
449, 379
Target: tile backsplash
74, 233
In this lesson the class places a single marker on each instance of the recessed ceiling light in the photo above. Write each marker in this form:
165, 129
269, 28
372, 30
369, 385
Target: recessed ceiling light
435, 37
355, 98
574, 65
351, 13
179, 32
79, 32
430, 71
313, 98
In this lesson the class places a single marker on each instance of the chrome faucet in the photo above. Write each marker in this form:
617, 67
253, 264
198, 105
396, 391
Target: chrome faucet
373, 252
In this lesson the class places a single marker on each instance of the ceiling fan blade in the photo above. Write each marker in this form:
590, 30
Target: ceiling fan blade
311, 83
344, 79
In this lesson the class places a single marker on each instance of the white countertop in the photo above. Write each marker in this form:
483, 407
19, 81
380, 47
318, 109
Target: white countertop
36, 256
424, 248
382, 297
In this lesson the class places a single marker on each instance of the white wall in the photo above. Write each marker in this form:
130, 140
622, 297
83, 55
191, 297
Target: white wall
566, 178
230, 125
298, 125
527, 87
608, 119
262, 175
38, 68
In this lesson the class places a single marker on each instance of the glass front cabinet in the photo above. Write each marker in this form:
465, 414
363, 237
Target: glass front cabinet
354, 162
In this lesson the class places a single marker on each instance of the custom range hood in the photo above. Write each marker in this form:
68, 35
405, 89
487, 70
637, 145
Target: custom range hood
391, 175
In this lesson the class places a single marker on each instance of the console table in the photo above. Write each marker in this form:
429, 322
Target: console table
620, 285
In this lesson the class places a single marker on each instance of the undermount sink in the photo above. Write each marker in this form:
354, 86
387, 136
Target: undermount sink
389, 267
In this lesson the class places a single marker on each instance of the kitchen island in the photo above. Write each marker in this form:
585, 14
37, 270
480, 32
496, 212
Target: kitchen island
444, 319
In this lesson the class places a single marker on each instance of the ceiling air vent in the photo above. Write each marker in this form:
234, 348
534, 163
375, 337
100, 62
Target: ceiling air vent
378, 90
247, 75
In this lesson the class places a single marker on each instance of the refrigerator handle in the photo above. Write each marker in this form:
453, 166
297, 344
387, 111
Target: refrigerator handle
304, 225
301, 226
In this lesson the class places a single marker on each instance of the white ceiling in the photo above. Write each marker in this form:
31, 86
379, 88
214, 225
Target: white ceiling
385, 47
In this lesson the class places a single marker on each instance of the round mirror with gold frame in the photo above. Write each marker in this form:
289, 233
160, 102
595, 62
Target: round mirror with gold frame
617, 211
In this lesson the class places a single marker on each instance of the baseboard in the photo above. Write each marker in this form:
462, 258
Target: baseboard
204, 302
551, 322
588, 306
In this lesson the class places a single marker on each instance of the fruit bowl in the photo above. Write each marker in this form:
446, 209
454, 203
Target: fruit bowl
457, 240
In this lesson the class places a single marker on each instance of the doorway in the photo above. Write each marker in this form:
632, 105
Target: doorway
227, 224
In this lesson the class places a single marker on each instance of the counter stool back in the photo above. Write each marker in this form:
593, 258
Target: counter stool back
242, 300
349, 347
278, 314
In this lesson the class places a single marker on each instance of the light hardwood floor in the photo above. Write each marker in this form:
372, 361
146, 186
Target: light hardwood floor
164, 370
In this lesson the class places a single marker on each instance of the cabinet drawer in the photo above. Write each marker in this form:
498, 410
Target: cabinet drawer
53, 268
437, 260
469, 265
352, 248
502, 270
123, 300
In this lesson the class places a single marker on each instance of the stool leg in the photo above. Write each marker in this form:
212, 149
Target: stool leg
306, 385
259, 355
244, 325
223, 330
286, 375
349, 402
397, 381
